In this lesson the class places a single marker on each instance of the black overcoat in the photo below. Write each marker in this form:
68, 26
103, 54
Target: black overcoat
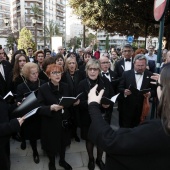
31, 127
53, 135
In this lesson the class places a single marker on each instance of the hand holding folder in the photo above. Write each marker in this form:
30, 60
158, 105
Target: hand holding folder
68, 101
107, 101
135, 91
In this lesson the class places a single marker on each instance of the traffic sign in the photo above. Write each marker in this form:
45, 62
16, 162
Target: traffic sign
130, 39
159, 8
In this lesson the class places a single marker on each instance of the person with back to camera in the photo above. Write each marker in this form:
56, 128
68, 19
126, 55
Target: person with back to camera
146, 146
7, 128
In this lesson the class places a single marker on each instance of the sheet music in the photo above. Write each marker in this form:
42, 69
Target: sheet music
8, 94
32, 112
113, 99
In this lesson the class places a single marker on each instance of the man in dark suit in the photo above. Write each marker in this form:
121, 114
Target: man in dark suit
126, 63
132, 103
144, 147
5, 78
31, 57
106, 72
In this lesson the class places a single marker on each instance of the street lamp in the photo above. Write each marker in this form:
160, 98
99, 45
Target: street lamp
34, 22
6, 21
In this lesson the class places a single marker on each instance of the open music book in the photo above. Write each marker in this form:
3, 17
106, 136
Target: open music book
107, 101
135, 91
68, 101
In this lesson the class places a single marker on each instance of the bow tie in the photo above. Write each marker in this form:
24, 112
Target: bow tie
127, 59
105, 73
139, 73
31, 57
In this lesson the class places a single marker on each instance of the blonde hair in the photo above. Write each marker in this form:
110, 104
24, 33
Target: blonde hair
93, 62
27, 67
67, 62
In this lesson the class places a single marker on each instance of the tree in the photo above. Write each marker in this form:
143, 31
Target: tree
36, 11
51, 30
10, 42
25, 39
120, 16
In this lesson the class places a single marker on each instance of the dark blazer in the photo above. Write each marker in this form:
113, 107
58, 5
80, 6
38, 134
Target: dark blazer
53, 135
143, 147
114, 79
5, 84
119, 67
131, 106
31, 126
6, 130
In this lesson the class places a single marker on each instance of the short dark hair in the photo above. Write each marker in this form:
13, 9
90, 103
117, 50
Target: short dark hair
29, 48
127, 46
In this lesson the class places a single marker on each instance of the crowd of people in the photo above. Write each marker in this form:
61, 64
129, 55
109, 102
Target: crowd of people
56, 75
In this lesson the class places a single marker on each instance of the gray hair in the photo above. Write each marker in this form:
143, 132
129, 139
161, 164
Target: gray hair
92, 62
140, 57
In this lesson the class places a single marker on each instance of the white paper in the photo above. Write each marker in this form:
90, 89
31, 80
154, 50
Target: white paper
8, 94
32, 112
113, 99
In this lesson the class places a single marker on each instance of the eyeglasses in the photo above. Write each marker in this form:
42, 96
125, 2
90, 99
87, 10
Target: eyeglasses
56, 73
60, 49
93, 69
126, 51
40, 56
104, 62
1, 53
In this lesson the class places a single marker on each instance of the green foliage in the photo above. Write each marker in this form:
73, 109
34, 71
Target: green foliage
107, 43
90, 39
25, 39
36, 11
10, 42
120, 16
51, 30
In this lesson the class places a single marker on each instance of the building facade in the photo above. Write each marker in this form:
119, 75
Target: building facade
4, 13
115, 40
22, 15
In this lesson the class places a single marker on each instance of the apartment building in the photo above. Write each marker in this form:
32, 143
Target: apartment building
4, 13
49, 10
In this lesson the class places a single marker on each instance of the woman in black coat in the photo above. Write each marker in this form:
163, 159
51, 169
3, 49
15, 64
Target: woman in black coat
6, 129
55, 135
93, 78
31, 127
72, 77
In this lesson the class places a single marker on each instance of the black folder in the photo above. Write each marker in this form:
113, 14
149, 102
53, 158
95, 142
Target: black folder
26, 106
68, 101
135, 91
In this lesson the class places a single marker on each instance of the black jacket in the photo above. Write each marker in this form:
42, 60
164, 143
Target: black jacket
6, 129
131, 106
53, 135
5, 83
143, 147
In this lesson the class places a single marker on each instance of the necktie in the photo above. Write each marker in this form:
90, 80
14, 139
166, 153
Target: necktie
127, 59
105, 73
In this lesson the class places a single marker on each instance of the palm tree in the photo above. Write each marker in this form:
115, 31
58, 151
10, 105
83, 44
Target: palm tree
51, 30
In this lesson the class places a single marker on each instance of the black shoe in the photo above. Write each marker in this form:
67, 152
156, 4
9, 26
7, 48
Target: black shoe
51, 166
77, 139
36, 158
100, 164
91, 164
65, 165
23, 145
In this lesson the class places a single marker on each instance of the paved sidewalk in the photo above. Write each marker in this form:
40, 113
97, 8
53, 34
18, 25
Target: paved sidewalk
76, 154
